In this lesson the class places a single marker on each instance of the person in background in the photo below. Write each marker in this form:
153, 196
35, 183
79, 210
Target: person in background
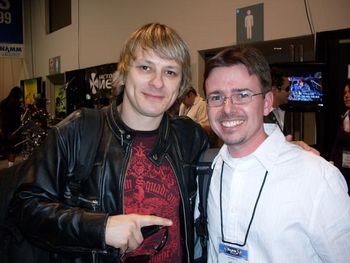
146, 173
340, 155
11, 109
195, 107
280, 90
269, 200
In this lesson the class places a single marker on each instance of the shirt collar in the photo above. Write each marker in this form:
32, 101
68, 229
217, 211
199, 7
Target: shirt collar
267, 153
347, 113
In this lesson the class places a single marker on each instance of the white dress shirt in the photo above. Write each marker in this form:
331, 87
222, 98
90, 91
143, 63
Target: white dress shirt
303, 214
279, 114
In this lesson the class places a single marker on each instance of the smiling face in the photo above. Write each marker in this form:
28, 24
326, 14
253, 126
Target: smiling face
239, 126
151, 87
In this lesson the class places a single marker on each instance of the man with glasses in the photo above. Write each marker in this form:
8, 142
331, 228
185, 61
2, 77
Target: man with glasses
143, 174
268, 200
281, 91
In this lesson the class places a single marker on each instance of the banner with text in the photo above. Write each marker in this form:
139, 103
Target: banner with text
89, 87
11, 28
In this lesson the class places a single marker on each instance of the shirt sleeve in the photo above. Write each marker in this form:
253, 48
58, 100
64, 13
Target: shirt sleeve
330, 218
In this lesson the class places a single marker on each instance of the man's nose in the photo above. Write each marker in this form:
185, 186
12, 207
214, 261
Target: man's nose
229, 105
157, 80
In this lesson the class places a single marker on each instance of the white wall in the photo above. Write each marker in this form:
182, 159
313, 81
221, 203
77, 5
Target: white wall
99, 28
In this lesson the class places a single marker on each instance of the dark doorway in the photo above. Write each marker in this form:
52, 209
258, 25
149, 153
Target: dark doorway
333, 48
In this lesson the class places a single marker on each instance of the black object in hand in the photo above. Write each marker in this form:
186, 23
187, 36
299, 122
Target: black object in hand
150, 230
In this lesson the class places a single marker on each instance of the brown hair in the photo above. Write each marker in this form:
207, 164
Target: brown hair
252, 58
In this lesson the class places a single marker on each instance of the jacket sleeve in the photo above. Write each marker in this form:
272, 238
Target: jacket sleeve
39, 208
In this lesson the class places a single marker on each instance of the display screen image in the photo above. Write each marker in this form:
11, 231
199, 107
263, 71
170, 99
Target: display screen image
306, 88
306, 83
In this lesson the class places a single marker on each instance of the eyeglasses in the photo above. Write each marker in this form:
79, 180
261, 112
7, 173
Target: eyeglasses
241, 97
286, 89
147, 257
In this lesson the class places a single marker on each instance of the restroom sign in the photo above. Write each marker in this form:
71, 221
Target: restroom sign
250, 23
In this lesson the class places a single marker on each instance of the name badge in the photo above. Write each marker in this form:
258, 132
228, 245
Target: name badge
346, 159
230, 254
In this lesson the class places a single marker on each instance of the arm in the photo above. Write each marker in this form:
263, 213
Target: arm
62, 223
302, 144
124, 231
40, 198
269, 127
329, 223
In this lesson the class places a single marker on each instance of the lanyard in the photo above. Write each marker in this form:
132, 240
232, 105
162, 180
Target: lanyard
253, 214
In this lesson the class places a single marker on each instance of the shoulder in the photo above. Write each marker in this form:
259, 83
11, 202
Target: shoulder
79, 122
77, 117
311, 167
184, 124
187, 130
295, 153
189, 138
200, 101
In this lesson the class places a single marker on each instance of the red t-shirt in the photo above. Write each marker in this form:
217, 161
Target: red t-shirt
151, 189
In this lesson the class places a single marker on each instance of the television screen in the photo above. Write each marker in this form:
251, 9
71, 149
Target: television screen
306, 83
306, 87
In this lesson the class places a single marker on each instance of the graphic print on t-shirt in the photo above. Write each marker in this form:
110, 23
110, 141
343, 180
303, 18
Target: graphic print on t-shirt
151, 189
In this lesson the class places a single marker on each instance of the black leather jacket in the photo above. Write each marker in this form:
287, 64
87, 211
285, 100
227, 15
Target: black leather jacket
75, 230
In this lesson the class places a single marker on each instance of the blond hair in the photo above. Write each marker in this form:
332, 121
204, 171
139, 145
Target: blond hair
162, 40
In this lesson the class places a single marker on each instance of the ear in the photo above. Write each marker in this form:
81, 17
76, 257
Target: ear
268, 102
275, 90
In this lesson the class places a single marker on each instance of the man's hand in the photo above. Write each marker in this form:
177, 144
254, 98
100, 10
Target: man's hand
124, 231
302, 144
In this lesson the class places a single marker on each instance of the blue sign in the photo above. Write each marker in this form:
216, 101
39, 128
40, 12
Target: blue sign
11, 25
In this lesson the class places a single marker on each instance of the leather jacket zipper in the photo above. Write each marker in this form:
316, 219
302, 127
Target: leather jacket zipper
93, 203
183, 208
192, 199
122, 179
128, 153
94, 255
93, 252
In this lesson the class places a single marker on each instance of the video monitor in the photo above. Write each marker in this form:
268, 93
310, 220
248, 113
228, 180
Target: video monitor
306, 83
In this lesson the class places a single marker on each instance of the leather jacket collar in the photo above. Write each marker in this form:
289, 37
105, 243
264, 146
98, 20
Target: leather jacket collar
126, 135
